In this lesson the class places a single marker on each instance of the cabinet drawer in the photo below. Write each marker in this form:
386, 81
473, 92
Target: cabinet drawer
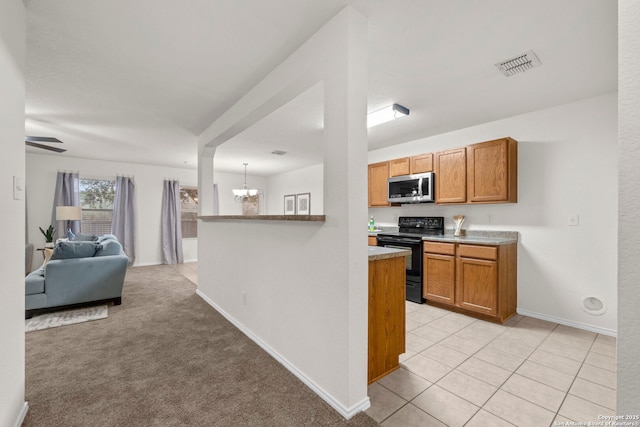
481, 252
439, 248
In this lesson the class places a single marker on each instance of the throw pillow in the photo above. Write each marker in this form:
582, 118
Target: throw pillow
66, 250
82, 237
109, 247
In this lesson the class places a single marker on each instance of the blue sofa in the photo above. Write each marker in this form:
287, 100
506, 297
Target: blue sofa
78, 273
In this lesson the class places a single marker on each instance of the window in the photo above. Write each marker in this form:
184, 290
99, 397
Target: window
189, 211
96, 201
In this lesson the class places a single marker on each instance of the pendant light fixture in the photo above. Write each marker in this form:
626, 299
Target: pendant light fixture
241, 194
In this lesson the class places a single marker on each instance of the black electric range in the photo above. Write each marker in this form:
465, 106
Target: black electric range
409, 236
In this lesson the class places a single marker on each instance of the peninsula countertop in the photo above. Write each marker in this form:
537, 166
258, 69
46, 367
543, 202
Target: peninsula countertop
380, 252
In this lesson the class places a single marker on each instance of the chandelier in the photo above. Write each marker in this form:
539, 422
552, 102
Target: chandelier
241, 194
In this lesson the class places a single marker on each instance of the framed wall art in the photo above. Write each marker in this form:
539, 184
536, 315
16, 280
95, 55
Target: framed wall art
303, 203
290, 204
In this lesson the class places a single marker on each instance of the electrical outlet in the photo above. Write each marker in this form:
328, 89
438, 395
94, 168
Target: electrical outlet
573, 220
18, 190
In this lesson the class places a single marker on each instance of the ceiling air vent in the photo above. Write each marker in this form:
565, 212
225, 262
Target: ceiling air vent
519, 64
279, 152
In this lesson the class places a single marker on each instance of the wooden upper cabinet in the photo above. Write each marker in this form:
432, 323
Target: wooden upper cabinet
486, 172
378, 175
451, 176
398, 167
492, 172
410, 165
422, 163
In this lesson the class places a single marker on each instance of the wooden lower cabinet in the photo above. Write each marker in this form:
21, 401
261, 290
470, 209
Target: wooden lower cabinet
477, 285
387, 291
439, 277
479, 279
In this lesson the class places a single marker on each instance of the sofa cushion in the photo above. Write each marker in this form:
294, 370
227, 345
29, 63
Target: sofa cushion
34, 282
109, 247
66, 250
107, 237
81, 237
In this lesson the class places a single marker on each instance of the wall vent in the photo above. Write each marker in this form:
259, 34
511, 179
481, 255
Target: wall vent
519, 64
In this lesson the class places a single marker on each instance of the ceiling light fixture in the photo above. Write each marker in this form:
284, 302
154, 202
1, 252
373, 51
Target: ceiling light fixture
386, 114
241, 194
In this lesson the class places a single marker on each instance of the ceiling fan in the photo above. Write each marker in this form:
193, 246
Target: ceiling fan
34, 141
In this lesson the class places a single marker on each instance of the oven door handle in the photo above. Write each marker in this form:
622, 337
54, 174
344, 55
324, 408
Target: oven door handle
399, 240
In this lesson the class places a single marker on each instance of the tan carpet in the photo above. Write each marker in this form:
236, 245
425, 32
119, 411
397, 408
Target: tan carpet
163, 358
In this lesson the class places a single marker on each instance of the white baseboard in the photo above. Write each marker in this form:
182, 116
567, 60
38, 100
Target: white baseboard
22, 414
346, 412
561, 321
147, 264
144, 264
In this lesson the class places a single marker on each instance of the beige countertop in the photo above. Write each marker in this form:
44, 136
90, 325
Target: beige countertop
379, 252
477, 237
475, 240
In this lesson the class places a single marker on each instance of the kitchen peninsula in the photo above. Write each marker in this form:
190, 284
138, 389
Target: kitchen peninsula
387, 288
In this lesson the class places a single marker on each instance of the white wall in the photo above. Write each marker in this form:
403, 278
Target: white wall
567, 165
305, 283
305, 180
41, 181
629, 231
12, 373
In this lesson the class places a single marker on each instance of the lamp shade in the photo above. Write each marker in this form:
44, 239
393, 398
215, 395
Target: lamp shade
68, 213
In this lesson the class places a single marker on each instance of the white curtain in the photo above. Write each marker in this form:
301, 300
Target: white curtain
67, 194
171, 223
216, 202
124, 218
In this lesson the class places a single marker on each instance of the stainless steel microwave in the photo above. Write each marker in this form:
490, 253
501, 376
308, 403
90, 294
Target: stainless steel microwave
416, 188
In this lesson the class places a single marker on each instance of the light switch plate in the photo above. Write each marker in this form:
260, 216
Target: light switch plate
573, 220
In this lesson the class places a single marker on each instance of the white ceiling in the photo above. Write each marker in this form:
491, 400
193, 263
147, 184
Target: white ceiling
139, 80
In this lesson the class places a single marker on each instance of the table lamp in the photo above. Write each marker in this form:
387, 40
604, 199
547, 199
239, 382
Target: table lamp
69, 213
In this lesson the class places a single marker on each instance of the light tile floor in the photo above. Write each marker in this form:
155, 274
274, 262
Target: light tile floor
460, 371
188, 270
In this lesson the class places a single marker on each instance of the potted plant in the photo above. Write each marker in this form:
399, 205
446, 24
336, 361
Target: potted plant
48, 236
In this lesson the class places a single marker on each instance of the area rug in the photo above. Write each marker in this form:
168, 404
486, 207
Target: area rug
66, 317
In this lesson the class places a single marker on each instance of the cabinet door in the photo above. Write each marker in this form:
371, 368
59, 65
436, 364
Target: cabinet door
492, 171
451, 176
398, 167
373, 240
422, 163
439, 278
378, 175
387, 331
477, 285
